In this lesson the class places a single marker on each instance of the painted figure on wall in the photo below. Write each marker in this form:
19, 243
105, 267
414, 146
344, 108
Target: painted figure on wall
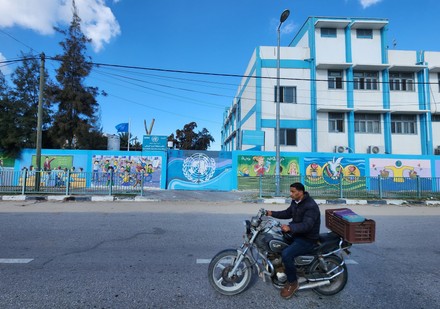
251, 165
323, 171
399, 169
261, 167
293, 168
46, 164
333, 168
129, 171
400, 174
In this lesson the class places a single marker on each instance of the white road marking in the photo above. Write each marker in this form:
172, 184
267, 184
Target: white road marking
350, 261
15, 261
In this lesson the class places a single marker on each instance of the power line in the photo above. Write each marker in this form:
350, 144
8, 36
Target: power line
15, 39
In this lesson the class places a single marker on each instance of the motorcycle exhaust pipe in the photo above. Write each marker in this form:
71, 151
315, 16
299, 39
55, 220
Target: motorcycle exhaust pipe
313, 285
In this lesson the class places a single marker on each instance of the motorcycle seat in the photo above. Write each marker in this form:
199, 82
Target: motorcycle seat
327, 242
326, 237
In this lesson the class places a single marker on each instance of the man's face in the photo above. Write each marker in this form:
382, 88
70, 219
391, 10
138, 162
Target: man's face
296, 194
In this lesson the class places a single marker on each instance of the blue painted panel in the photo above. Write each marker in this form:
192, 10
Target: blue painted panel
251, 137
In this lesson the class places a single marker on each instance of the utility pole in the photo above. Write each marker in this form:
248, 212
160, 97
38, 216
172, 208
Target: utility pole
39, 125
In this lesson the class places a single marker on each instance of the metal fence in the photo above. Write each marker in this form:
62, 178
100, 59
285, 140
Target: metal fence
123, 183
75, 183
347, 187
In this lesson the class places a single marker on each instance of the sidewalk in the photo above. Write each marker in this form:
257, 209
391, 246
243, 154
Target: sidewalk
205, 196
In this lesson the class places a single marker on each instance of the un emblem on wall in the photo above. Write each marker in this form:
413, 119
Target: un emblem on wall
198, 168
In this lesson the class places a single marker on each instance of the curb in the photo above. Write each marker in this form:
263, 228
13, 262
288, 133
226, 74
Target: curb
275, 200
353, 202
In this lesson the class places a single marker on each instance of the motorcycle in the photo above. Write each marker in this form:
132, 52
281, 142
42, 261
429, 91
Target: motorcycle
231, 271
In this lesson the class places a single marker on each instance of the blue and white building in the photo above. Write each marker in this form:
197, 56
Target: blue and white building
343, 89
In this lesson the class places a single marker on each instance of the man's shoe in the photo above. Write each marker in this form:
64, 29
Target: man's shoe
289, 289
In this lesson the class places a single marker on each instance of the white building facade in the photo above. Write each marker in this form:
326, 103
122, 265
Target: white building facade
342, 90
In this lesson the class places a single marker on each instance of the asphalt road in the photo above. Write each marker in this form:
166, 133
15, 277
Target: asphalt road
154, 254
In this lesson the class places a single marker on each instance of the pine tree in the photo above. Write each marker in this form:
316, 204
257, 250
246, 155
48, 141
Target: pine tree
11, 133
26, 79
77, 116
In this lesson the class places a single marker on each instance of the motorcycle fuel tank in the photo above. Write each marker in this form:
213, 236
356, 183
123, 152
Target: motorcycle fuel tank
276, 244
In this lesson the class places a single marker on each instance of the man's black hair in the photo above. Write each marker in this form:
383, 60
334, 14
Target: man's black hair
298, 186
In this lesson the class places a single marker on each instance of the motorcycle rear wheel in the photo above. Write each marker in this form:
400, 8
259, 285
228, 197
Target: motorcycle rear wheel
337, 284
218, 270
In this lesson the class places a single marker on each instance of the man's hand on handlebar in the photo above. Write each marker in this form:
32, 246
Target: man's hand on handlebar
285, 228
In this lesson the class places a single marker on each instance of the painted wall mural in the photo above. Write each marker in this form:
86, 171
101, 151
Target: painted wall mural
199, 170
259, 165
401, 174
6, 167
130, 171
216, 170
322, 172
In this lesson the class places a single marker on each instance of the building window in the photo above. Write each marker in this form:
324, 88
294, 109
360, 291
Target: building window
367, 123
435, 117
366, 80
402, 81
335, 79
287, 137
336, 122
287, 94
364, 33
404, 124
328, 32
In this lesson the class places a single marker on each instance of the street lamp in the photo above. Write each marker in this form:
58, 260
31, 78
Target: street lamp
283, 18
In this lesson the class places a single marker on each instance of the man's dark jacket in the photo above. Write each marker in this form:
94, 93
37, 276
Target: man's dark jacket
306, 218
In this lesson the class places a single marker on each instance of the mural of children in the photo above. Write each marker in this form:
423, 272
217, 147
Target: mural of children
128, 166
244, 172
50, 178
81, 181
115, 164
110, 175
95, 177
149, 173
106, 166
59, 177
139, 176
260, 168
31, 171
125, 178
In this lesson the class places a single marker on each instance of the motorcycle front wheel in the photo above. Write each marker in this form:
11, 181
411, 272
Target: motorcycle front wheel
334, 265
219, 268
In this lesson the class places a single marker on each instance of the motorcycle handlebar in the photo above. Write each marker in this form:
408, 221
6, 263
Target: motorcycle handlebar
263, 212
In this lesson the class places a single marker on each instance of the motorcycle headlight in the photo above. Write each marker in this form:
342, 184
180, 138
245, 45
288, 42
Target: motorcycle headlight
255, 221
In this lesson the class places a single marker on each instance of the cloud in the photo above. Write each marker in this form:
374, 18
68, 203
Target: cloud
3, 67
288, 28
367, 3
97, 20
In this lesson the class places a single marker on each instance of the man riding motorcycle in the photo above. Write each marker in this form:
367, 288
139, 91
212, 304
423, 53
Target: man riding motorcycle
304, 229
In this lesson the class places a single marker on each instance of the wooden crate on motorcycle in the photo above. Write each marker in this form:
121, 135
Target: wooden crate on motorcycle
352, 227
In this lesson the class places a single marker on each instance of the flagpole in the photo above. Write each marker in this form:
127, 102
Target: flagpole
128, 143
